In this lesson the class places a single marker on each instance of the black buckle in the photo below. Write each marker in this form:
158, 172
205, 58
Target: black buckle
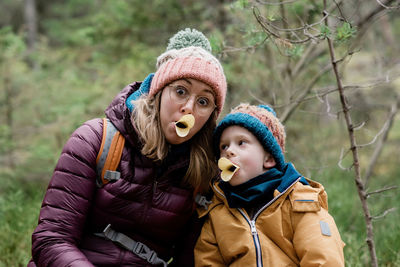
138, 248
152, 258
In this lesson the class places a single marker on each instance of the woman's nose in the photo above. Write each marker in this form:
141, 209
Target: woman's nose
188, 107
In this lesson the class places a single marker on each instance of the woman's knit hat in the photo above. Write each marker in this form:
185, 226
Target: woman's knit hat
262, 122
188, 55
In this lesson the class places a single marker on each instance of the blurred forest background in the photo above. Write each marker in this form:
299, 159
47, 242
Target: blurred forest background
62, 62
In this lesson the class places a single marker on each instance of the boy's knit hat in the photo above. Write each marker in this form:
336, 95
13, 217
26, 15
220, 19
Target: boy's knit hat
262, 122
188, 55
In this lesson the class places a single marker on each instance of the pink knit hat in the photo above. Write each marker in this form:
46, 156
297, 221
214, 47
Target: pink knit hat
190, 62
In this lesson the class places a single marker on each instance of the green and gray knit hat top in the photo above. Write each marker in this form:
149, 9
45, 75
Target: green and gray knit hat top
188, 55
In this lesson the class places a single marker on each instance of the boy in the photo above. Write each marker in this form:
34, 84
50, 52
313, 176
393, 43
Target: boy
267, 214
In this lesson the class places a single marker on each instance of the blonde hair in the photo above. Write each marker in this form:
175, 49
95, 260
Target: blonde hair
202, 167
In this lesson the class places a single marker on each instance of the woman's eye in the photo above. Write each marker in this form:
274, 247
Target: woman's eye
242, 142
181, 91
203, 101
223, 147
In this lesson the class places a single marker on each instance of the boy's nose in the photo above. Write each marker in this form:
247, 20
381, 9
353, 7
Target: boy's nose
230, 152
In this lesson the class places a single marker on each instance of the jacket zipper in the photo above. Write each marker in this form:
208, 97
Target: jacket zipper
252, 223
256, 239
155, 187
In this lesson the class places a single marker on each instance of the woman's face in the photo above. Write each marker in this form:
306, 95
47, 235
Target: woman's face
181, 97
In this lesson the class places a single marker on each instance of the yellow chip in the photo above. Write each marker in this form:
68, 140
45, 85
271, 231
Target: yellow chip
183, 126
228, 169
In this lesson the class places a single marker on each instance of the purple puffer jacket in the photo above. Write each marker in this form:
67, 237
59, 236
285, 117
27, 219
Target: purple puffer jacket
147, 203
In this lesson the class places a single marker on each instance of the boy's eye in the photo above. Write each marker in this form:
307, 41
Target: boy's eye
242, 142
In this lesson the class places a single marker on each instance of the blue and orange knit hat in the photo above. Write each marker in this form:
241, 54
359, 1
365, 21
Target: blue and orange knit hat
262, 122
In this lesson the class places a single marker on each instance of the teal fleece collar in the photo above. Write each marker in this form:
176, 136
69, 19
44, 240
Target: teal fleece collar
143, 89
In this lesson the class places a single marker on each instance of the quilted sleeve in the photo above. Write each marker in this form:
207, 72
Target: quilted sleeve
67, 200
316, 238
206, 252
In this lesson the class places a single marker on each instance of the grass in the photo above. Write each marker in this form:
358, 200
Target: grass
345, 207
19, 209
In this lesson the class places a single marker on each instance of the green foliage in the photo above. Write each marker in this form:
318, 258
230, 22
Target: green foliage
5, 143
88, 50
254, 37
19, 210
240, 4
295, 51
11, 44
349, 217
345, 32
325, 31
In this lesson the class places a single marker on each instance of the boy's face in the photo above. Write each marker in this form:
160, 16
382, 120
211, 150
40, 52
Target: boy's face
242, 148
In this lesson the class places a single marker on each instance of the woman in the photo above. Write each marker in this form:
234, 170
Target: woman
145, 218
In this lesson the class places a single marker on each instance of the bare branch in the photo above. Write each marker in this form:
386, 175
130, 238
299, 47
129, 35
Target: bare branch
342, 155
387, 7
384, 128
374, 12
379, 147
276, 3
267, 27
230, 49
380, 191
293, 105
356, 128
386, 212
353, 147
330, 89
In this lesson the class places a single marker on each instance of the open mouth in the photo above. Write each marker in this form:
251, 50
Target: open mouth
228, 169
184, 124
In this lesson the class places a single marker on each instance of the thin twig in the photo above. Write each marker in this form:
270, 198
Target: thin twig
386, 212
342, 155
378, 149
384, 128
380, 191
276, 3
387, 7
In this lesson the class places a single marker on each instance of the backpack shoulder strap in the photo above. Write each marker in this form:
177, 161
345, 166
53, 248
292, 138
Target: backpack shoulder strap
109, 154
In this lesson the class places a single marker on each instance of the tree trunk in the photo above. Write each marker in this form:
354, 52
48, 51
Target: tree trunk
9, 120
31, 27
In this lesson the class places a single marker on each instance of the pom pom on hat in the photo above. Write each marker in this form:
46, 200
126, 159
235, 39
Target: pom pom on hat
262, 122
189, 37
194, 61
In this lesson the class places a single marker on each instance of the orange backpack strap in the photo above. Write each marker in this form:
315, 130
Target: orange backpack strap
109, 154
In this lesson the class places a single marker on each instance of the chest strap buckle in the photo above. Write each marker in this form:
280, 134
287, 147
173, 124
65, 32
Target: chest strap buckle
136, 247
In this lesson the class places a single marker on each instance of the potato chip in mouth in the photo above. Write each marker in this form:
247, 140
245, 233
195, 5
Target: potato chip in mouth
183, 126
228, 169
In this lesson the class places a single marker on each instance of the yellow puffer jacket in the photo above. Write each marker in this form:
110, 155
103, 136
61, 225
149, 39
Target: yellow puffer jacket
294, 229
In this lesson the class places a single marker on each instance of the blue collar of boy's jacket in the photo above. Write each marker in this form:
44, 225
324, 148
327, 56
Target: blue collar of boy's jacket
261, 188
143, 89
